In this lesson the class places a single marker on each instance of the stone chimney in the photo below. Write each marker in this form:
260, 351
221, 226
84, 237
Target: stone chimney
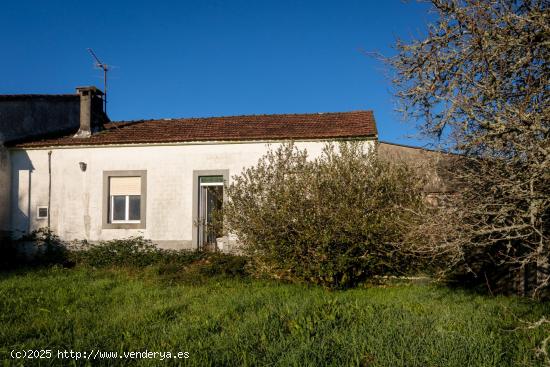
92, 115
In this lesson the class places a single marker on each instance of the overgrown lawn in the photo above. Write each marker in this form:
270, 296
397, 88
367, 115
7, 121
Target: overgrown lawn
238, 321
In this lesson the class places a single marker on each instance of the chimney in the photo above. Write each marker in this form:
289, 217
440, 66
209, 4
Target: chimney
92, 116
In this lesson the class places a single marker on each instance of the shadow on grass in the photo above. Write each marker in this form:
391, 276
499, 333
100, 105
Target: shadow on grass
40, 249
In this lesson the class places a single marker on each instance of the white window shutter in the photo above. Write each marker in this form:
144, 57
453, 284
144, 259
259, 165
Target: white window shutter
125, 185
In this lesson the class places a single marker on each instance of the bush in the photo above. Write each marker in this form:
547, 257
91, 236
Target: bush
172, 264
133, 251
334, 220
44, 248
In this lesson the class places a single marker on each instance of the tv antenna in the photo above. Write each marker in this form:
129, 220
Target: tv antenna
105, 69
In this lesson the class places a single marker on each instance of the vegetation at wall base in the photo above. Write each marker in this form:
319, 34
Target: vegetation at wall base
134, 253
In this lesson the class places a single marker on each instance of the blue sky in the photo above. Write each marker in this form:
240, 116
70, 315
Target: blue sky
210, 58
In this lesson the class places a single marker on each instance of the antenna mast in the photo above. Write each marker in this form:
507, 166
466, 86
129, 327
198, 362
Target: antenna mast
105, 69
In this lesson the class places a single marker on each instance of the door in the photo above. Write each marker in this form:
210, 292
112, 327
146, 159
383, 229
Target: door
210, 206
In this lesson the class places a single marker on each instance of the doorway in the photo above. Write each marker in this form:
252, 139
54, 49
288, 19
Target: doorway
210, 223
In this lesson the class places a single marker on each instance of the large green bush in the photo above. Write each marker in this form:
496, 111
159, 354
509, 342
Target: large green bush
334, 220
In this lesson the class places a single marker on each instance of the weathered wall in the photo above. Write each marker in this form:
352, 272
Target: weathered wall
23, 116
432, 162
27, 116
76, 199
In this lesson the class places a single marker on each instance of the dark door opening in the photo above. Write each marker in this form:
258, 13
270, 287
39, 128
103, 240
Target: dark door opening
210, 206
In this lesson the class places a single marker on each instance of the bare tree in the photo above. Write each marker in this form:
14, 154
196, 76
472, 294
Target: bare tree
478, 84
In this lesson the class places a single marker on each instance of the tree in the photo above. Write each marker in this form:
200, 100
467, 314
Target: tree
478, 84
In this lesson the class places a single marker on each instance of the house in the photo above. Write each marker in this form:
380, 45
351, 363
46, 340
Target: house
88, 178
65, 166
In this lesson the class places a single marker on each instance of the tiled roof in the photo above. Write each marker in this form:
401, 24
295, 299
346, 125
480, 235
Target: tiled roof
356, 124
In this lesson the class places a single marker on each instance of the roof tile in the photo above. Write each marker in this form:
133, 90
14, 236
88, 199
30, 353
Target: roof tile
227, 128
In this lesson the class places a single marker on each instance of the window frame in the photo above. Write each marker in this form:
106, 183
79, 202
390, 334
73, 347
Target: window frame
107, 222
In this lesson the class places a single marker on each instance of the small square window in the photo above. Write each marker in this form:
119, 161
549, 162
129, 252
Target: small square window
125, 203
124, 199
42, 212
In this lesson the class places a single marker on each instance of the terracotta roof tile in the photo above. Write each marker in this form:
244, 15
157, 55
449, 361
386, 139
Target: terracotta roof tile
228, 128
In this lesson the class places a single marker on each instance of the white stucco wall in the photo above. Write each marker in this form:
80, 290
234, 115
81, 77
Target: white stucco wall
76, 197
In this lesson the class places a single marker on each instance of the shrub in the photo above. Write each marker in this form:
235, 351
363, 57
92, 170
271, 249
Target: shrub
133, 251
334, 220
172, 264
44, 248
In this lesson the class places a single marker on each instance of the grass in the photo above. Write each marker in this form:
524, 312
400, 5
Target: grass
238, 321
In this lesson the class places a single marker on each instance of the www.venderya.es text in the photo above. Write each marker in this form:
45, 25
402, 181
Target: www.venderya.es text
94, 354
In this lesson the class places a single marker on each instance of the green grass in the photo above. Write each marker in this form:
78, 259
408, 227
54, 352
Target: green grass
253, 322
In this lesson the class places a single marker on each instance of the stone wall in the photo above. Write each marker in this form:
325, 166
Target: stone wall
432, 162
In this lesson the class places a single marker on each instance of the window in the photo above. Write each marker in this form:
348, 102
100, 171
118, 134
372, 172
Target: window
42, 212
125, 199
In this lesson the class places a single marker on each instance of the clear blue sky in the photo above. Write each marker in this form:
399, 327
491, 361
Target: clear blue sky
210, 58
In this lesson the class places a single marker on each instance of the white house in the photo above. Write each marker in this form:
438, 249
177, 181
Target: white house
155, 178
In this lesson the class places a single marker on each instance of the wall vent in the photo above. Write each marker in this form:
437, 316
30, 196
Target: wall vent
42, 212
